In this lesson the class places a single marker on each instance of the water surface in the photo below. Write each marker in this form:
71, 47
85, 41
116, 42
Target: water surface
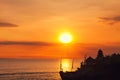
44, 69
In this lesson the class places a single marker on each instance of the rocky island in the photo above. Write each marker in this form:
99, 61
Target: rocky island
99, 68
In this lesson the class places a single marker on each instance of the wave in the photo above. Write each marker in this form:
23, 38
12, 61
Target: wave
19, 73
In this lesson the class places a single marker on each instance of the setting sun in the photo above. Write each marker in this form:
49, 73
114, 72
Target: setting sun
65, 38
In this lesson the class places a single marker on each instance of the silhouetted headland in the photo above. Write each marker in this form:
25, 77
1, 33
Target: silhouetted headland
100, 68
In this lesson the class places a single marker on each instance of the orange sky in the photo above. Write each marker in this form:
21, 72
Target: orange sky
30, 28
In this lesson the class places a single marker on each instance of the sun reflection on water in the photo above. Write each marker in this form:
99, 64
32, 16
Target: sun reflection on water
66, 65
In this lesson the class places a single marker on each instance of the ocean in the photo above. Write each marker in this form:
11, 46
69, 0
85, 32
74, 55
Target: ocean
28, 69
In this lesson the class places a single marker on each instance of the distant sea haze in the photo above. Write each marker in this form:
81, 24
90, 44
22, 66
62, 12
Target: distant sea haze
17, 69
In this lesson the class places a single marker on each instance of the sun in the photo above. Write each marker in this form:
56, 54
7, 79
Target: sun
65, 38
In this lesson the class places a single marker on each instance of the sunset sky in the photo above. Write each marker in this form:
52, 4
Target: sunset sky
31, 28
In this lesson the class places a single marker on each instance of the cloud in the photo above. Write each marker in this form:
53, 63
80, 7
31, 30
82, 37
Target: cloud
7, 24
111, 20
25, 43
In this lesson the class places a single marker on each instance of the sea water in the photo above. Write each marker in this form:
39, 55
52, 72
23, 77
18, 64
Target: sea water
28, 69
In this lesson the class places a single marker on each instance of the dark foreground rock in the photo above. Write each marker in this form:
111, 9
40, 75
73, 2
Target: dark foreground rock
100, 68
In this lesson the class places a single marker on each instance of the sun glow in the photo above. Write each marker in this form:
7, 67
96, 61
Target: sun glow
65, 38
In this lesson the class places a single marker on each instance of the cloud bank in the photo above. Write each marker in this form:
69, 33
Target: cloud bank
25, 43
7, 24
111, 20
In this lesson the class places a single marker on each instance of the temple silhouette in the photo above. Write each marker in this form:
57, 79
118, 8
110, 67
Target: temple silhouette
99, 68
